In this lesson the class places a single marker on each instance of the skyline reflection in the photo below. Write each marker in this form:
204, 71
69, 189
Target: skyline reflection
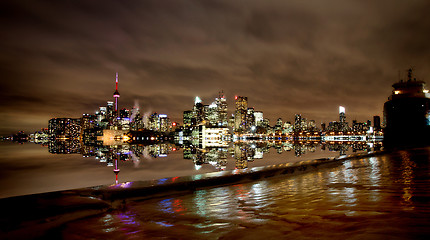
59, 165
242, 153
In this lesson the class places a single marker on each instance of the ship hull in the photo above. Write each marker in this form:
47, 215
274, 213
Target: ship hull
407, 122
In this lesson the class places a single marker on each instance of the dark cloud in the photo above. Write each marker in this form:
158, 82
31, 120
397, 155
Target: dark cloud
59, 58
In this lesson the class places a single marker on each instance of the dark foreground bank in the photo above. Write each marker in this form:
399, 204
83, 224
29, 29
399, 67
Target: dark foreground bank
237, 203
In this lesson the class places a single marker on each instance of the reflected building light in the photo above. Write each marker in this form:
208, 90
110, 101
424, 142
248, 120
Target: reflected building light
166, 205
196, 177
200, 202
162, 180
164, 224
126, 184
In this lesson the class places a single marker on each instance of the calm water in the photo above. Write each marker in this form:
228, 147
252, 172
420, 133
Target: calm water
383, 197
30, 168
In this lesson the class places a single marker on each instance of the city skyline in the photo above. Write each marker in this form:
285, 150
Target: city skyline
60, 59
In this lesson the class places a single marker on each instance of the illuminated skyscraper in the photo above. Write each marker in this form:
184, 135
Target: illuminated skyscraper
250, 118
342, 116
240, 113
343, 125
164, 123
88, 121
154, 122
116, 94
64, 128
188, 116
221, 103
212, 114
198, 111
297, 123
110, 112
258, 115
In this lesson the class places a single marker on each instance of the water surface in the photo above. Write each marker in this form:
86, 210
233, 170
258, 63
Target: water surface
382, 197
30, 168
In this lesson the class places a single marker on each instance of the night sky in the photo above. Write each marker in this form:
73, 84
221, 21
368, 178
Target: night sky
59, 58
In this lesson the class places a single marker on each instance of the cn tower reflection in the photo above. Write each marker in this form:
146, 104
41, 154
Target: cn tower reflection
116, 170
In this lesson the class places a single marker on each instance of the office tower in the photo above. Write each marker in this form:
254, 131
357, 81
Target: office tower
88, 121
198, 111
221, 103
64, 128
111, 115
250, 118
124, 113
136, 121
297, 123
212, 114
323, 126
187, 118
343, 125
376, 123
164, 123
342, 116
153, 122
240, 113
258, 116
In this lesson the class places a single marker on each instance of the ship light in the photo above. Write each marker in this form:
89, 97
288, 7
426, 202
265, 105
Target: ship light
397, 92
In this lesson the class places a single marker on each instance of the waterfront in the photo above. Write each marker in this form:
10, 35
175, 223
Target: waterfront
373, 196
379, 197
30, 168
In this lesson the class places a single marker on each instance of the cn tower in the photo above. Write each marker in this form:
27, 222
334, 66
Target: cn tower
116, 94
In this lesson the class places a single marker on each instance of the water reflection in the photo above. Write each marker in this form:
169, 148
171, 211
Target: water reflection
234, 155
242, 153
407, 179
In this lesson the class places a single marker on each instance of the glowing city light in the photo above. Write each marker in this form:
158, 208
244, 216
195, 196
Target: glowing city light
198, 100
397, 92
341, 109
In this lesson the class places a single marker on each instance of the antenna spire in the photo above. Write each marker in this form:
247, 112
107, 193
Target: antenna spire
116, 81
116, 93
